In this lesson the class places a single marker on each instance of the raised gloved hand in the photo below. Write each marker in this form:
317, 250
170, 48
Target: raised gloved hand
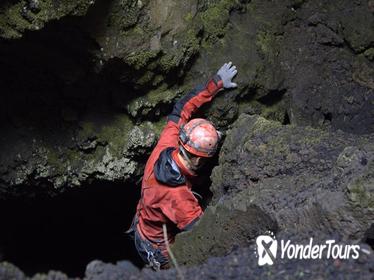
226, 73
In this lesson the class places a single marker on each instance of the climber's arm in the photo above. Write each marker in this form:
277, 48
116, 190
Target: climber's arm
185, 107
189, 103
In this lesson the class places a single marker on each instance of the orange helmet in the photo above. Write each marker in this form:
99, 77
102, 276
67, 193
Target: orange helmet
199, 137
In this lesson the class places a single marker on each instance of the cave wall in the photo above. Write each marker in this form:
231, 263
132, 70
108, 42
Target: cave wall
283, 178
118, 64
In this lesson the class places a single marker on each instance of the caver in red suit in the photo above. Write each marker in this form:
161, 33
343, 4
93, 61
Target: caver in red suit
166, 196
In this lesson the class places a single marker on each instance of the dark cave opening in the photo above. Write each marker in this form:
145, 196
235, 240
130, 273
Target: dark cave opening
327, 117
369, 236
272, 97
286, 119
68, 231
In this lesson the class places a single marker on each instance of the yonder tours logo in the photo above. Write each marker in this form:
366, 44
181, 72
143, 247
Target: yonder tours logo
267, 248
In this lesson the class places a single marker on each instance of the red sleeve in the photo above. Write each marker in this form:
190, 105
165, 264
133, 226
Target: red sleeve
181, 207
185, 107
188, 104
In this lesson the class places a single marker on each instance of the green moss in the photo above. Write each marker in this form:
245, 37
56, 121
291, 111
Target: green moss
82, 8
140, 59
279, 144
264, 41
146, 78
144, 104
268, 45
313, 136
363, 72
189, 46
87, 131
192, 41
151, 66
249, 107
116, 134
159, 126
361, 194
215, 19
13, 24
222, 228
55, 161
73, 158
369, 53
263, 125
159, 95
97, 156
274, 112
125, 13
11, 21
277, 110
169, 61
188, 17
157, 80
69, 158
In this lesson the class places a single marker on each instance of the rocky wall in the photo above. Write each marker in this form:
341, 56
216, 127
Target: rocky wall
274, 177
300, 62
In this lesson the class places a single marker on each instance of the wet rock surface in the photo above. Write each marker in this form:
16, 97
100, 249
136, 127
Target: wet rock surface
330, 82
295, 177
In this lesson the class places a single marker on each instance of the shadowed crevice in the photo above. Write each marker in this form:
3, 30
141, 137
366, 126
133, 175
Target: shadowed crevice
68, 231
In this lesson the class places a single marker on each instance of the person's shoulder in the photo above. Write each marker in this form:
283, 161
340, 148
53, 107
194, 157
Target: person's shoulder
166, 171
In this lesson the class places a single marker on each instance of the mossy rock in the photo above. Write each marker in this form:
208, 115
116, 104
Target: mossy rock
220, 230
10, 271
16, 18
369, 53
154, 104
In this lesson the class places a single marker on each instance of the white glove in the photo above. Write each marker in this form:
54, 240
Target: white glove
226, 73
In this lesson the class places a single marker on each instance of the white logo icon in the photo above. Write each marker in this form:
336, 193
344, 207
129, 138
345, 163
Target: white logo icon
266, 249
